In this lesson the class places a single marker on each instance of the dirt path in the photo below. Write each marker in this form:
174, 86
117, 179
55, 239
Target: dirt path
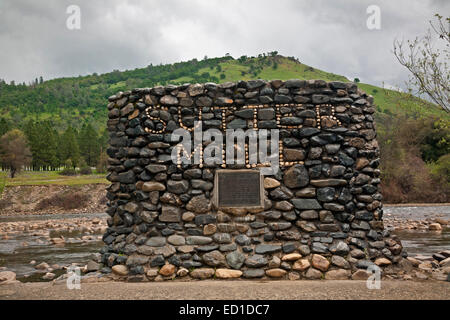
284, 290
443, 204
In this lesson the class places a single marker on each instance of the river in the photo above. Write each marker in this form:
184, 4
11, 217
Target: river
417, 241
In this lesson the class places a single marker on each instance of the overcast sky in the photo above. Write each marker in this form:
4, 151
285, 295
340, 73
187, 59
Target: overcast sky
119, 34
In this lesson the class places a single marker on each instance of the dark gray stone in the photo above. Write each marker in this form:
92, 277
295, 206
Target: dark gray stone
242, 240
198, 240
214, 259
267, 248
235, 259
256, 261
222, 238
177, 187
237, 124
203, 219
306, 204
318, 247
158, 261
340, 248
253, 273
325, 194
156, 242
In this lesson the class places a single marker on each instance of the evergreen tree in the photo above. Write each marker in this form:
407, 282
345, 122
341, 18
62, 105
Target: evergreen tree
69, 148
31, 132
43, 142
89, 144
103, 140
4, 126
49, 146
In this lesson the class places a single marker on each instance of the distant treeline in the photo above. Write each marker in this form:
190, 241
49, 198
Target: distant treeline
52, 149
70, 101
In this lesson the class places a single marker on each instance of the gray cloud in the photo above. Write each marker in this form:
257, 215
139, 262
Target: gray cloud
330, 35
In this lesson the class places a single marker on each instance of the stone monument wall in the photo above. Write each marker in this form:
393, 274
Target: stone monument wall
319, 215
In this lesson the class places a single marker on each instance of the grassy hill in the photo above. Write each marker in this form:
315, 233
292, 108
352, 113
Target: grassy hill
80, 99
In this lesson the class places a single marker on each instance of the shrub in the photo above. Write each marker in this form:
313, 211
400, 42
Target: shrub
72, 200
68, 172
441, 169
86, 170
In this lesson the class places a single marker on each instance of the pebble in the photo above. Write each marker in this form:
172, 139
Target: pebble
42, 266
167, 270
320, 262
301, 265
202, 273
7, 277
228, 273
338, 274
276, 273
49, 276
361, 275
120, 270
291, 257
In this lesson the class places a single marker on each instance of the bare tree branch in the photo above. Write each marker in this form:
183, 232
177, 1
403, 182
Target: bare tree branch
427, 64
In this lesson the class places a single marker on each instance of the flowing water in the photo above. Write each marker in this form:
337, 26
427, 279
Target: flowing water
422, 241
16, 257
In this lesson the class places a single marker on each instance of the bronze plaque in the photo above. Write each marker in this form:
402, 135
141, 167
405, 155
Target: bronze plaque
239, 188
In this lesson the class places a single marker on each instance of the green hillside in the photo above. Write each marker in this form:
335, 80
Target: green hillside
74, 101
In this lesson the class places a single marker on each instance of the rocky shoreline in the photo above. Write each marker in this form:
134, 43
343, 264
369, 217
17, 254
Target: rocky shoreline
435, 224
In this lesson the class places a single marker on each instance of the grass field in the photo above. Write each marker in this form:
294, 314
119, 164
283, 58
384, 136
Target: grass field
27, 178
286, 70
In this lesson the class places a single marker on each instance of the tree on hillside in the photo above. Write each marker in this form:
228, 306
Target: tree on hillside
43, 141
103, 139
89, 144
14, 152
69, 148
428, 64
4, 126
